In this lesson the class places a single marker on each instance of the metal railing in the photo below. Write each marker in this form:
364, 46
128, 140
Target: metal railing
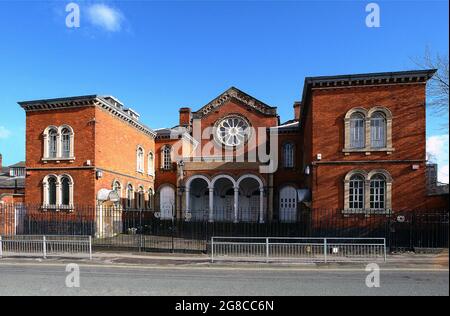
314, 250
46, 246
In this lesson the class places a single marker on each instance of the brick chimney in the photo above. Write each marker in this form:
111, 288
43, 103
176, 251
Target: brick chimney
297, 110
185, 117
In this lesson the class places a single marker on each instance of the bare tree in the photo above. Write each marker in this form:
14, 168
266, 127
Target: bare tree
438, 85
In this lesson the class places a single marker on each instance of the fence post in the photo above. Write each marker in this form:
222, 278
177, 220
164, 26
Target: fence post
212, 249
44, 247
384, 246
325, 249
267, 250
90, 247
1, 248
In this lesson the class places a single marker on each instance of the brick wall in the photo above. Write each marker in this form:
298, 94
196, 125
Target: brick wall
116, 153
325, 130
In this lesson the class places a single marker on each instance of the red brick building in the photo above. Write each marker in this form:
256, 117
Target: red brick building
77, 147
356, 144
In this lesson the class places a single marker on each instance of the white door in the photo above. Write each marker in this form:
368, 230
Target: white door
288, 204
167, 202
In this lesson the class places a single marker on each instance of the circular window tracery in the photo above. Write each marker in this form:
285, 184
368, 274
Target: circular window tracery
232, 131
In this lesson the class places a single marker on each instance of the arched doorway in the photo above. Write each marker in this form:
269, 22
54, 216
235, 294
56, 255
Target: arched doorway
167, 202
224, 200
288, 204
197, 194
249, 200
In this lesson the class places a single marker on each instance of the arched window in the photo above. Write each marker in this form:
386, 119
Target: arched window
58, 142
378, 192
58, 192
117, 187
140, 198
65, 191
151, 164
378, 130
53, 143
140, 159
66, 143
51, 191
288, 155
356, 192
166, 158
130, 196
150, 203
357, 131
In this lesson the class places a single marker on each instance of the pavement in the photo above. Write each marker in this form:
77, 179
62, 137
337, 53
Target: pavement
400, 261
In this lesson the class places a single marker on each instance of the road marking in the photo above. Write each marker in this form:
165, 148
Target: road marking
261, 269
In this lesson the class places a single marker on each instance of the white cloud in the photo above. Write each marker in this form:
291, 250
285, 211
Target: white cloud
105, 17
437, 152
4, 132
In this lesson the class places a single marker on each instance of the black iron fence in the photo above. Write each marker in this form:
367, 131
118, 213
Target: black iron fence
142, 230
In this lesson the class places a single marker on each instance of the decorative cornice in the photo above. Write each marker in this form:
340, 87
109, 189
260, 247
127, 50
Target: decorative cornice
235, 94
85, 101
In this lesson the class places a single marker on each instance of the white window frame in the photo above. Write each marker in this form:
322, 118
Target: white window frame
357, 131
151, 163
140, 154
129, 196
166, 157
59, 193
57, 153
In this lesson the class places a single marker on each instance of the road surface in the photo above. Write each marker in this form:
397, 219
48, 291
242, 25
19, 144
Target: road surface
44, 279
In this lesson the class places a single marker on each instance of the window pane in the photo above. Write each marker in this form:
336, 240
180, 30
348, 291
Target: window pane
65, 143
356, 192
53, 144
52, 191
377, 192
378, 131
357, 131
65, 192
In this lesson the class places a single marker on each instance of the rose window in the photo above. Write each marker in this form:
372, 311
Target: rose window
233, 131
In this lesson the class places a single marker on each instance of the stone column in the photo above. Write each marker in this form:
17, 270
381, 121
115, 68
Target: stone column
236, 204
211, 205
188, 200
261, 205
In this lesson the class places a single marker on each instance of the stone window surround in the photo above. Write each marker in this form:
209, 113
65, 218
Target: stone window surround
140, 164
46, 158
46, 193
165, 166
151, 163
367, 176
129, 195
368, 115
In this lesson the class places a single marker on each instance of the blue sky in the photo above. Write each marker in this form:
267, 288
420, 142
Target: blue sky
157, 56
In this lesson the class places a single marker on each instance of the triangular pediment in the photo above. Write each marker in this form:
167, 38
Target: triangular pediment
238, 96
